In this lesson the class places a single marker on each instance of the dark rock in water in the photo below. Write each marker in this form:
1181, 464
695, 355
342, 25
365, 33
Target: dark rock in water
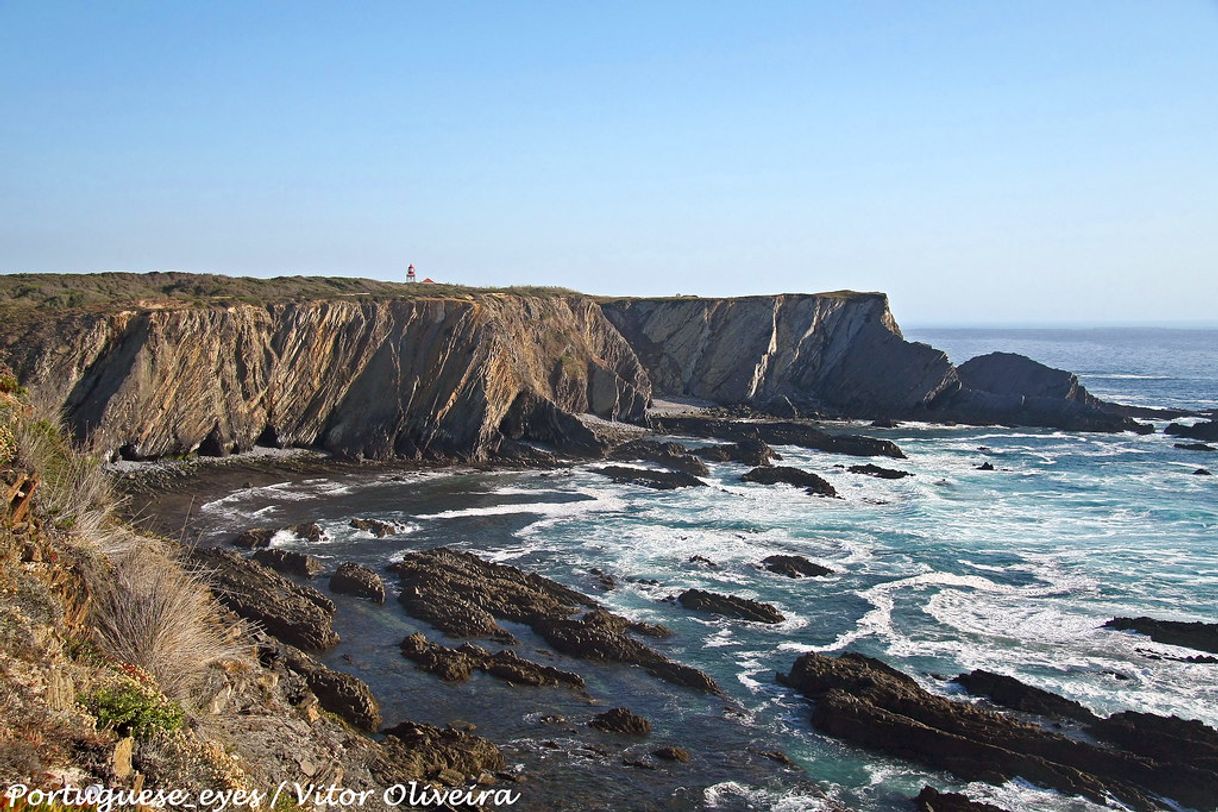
878, 471
1207, 431
296, 614
462, 595
443, 755
337, 692
704, 561
1168, 740
599, 635
1202, 472
777, 756
1195, 447
308, 531
986, 466
749, 451
931, 800
772, 475
621, 720
885, 423
603, 579
866, 702
730, 606
1196, 635
673, 456
1011, 693
254, 538
804, 435
672, 754
660, 480
456, 665
356, 579
794, 566
374, 526
306, 566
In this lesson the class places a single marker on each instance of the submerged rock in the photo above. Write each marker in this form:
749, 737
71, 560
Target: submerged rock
296, 614
293, 563
1202, 472
671, 753
814, 484
356, 579
1196, 635
866, 702
878, 471
660, 480
729, 606
456, 665
1195, 447
794, 566
621, 720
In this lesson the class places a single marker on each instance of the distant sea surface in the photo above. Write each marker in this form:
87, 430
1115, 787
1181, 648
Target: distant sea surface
1014, 570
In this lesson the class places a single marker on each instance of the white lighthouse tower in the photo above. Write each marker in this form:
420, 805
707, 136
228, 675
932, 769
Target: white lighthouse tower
410, 275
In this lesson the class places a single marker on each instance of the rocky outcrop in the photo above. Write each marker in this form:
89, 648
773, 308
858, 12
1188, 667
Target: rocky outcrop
376, 527
1011, 693
356, 579
443, 755
729, 606
621, 720
1196, 635
337, 692
1011, 389
814, 484
456, 665
293, 563
932, 800
870, 704
831, 353
673, 456
794, 566
878, 471
464, 596
429, 377
1207, 431
296, 614
659, 480
749, 452
804, 435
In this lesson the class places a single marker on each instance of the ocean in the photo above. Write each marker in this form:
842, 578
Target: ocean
1013, 570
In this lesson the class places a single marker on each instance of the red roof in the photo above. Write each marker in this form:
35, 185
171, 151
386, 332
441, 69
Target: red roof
429, 281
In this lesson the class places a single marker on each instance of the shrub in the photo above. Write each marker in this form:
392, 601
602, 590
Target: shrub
8, 444
129, 707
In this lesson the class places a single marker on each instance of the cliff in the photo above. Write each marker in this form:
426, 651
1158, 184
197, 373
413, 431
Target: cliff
371, 378
840, 354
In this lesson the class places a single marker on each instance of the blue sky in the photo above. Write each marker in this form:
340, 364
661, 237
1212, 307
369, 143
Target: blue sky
981, 162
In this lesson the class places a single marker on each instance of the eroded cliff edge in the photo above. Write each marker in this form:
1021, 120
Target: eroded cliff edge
408, 377
162, 364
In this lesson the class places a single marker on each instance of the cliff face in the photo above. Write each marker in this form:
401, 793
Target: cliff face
837, 353
362, 378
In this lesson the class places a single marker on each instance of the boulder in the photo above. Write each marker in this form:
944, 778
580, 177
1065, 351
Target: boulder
660, 480
356, 579
292, 612
254, 538
671, 753
814, 484
306, 566
621, 720
1202, 472
794, 566
729, 606
1195, 635
307, 531
986, 466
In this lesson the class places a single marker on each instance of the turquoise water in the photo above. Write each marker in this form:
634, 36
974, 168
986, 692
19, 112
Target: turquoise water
1014, 570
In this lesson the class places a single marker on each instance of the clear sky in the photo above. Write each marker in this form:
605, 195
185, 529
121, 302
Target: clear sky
982, 162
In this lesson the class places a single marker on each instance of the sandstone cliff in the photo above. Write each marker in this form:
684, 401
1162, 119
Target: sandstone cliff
834, 353
366, 378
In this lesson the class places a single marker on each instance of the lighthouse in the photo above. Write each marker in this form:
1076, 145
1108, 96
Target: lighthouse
410, 277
